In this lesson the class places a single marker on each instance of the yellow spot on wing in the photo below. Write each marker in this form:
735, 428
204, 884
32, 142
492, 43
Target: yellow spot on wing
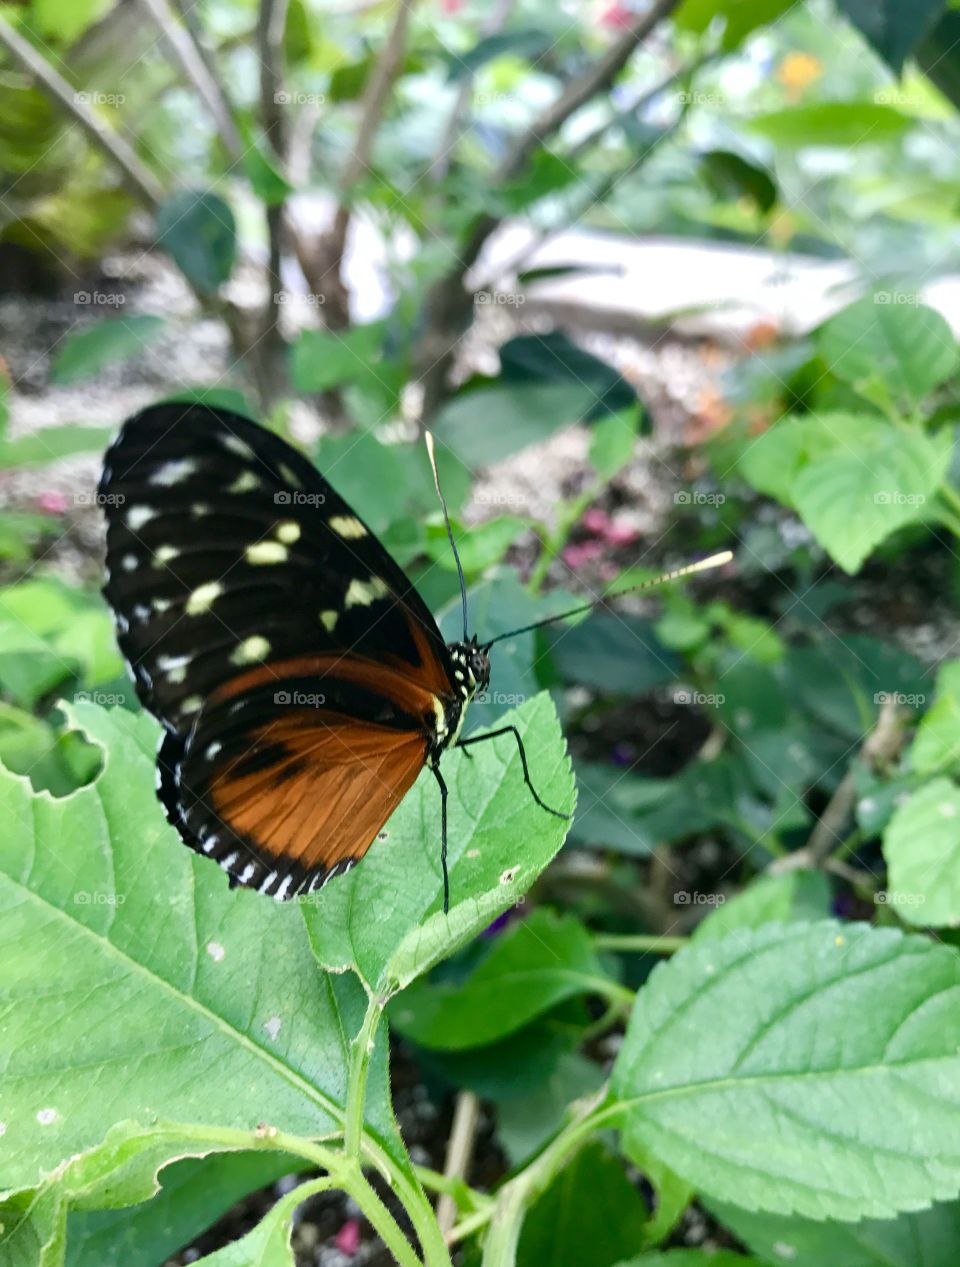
363, 593
348, 527
329, 619
245, 482
250, 650
202, 597
288, 531
266, 552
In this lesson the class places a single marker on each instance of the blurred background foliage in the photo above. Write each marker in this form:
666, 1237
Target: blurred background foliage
323, 199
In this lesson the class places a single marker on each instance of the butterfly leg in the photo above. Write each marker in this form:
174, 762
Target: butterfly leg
504, 730
443, 836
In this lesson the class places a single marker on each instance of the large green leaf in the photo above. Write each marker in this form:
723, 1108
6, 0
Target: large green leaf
841, 123
197, 229
694, 1258
85, 353
909, 347
788, 898
930, 1238
53, 443
612, 652
487, 424
936, 745
554, 358
893, 28
590, 1214
129, 965
533, 966
499, 841
739, 19
922, 848
754, 1067
852, 499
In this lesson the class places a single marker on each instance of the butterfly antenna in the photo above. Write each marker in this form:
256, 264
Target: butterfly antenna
714, 561
428, 436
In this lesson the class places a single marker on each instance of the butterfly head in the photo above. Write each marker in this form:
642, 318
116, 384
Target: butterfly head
471, 667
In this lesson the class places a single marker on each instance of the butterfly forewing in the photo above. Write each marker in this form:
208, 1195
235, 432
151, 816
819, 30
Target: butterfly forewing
290, 659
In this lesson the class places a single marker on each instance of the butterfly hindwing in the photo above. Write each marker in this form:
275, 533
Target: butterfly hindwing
298, 674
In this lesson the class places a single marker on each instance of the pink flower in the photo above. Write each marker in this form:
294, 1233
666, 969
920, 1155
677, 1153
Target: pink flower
575, 556
621, 534
596, 521
52, 502
617, 15
347, 1240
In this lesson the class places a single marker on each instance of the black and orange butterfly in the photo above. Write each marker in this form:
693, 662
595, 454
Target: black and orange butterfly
301, 680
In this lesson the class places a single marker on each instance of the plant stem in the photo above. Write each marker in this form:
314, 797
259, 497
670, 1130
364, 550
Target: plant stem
516, 1196
361, 1049
639, 943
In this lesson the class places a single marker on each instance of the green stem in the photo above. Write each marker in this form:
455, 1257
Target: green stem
950, 495
361, 1049
516, 1196
414, 1201
639, 943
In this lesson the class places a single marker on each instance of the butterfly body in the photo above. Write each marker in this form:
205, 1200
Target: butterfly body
300, 679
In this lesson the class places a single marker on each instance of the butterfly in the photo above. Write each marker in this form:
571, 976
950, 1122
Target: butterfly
301, 681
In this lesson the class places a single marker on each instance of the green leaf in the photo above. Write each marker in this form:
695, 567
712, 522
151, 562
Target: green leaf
85, 353
590, 1214
198, 231
531, 967
554, 358
321, 359
694, 1258
909, 347
270, 186
268, 1244
484, 425
811, 1027
152, 957
852, 499
740, 19
499, 841
612, 653
842, 123
480, 546
525, 42
52, 443
610, 808
936, 745
64, 20
194, 1194
922, 847
786, 898
894, 29
927, 1239
938, 55
729, 175
612, 442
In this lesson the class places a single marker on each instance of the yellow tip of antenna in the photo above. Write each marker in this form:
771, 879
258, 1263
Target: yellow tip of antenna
714, 561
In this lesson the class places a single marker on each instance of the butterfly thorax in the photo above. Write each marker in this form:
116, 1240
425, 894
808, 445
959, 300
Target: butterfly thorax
470, 667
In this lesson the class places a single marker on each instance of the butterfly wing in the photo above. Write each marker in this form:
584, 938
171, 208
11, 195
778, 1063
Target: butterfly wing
226, 549
298, 673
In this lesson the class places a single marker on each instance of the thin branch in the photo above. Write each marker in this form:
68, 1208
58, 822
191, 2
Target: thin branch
463, 1133
190, 60
440, 163
139, 179
449, 306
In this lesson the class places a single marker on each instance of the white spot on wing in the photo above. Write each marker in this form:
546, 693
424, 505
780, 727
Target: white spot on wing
250, 651
212, 749
238, 446
347, 526
164, 554
201, 598
288, 531
266, 552
281, 892
363, 593
173, 472
137, 516
128, 562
